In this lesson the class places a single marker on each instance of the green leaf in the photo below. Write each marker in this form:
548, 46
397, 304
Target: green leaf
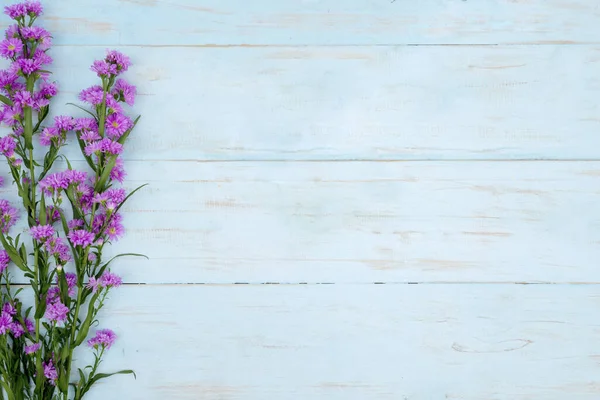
128, 196
43, 209
103, 268
6, 100
9, 392
105, 174
83, 109
85, 327
126, 134
12, 252
98, 377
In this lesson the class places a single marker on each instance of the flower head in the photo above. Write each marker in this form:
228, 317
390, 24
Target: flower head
123, 91
56, 312
54, 183
8, 144
92, 95
119, 60
42, 232
8, 215
4, 260
117, 125
108, 279
104, 338
32, 348
81, 237
6, 321
50, 371
11, 47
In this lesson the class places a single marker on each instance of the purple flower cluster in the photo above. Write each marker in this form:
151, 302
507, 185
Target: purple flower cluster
57, 247
104, 338
50, 371
107, 280
42, 232
10, 324
8, 215
56, 311
4, 260
21, 10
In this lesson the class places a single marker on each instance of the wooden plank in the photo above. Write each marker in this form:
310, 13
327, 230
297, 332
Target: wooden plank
357, 222
264, 22
420, 103
501, 342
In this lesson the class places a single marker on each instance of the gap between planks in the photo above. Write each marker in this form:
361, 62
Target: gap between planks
282, 45
217, 284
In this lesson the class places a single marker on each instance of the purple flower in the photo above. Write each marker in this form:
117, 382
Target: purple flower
9, 309
108, 279
42, 232
117, 125
29, 325
103, 68
111, 147
118, 172
8, 144
104, 338
53, 295
4, 260
28, 65
54, 183
8, 81
93, 284
9, 48
113, 106
71, 279
34, 8
92, 95
50, 372
32, 348
111, 198
15, 11
74, 177
12, 115
48, 89
17, 329
123, 91
23, 98
38, 34
105, 145
81, 238
115, 229
5, 323
56, 247
64, 123
49, 135
56, 312
75, 223
86, 124
8, 215
120, 60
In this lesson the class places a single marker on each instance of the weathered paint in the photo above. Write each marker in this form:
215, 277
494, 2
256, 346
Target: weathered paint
296, 254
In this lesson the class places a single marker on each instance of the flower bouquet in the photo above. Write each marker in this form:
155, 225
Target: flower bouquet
71, 215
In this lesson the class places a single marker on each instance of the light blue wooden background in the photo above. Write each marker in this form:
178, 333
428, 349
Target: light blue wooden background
347, 197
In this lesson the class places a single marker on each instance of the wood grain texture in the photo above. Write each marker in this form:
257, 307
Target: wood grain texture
315, 103
341, 342
301, 22
362, 222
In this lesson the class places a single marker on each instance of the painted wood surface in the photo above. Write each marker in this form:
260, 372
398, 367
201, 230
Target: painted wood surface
362, 222
346, 197
327, 103
300, 22
330, 342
